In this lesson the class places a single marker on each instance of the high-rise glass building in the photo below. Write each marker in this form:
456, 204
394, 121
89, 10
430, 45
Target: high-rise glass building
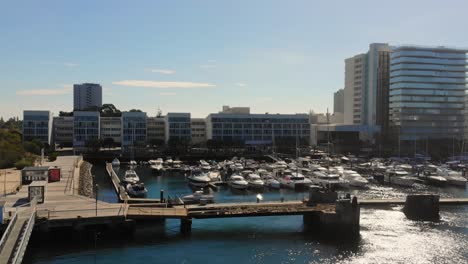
86, 96
427, 91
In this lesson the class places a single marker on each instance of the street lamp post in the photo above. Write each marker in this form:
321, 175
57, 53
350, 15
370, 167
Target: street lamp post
96, 189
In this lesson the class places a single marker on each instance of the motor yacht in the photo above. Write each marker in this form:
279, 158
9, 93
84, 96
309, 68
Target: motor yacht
271, 182
198, 197
156, 165
214, 175
199, 179
238, 182
255, 181
354, 178
453, 177
330, 181
295, 181
136, 189
399, 177
131, 177
205, 165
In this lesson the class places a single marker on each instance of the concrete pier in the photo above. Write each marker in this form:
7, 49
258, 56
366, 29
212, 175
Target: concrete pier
423, 207
343, 222
186, 225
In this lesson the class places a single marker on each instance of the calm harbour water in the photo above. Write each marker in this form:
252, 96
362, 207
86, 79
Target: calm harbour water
386, 235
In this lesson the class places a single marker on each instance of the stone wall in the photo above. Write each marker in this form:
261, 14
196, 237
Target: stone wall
86, 180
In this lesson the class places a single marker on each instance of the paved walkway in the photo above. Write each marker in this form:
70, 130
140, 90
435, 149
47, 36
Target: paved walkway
61, 199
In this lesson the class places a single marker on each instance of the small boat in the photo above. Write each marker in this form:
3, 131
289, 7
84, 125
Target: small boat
436, 180
271, 182
453, 177
399, 177
132, 164
205, 165
136, 189
331, 181
214, 175
238, 182
131, 177
198, 197
177, 165
354, 178
296, 181
116, 162
255, 181
156, 165
199, 179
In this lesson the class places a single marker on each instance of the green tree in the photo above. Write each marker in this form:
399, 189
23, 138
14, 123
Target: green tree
108, 142
93, 145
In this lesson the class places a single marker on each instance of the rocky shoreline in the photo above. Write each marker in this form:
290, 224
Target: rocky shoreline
86, 180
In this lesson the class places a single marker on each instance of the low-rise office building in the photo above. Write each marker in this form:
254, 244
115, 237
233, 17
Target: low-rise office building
37, 125
62, 131
133, 130
178, 127
85, 129
257, 129
111, 129
198, 128
156, 130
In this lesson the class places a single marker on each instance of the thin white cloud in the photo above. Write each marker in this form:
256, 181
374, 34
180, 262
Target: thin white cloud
241, 84
71, 64
165, 84
162, 71
167, 94
208, 66
66, 64
32, 92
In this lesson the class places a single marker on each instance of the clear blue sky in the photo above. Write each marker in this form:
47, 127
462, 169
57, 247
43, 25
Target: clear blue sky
195, 56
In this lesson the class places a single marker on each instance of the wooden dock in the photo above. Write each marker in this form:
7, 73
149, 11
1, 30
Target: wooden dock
120, 190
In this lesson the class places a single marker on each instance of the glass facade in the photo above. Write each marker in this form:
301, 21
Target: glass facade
85, 128
133, 129
258, 128
36, 125
427, 91
179, 126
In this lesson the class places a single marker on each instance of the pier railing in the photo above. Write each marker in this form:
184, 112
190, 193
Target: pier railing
82, 213
8, 231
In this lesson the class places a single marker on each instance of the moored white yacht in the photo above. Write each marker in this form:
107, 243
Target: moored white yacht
199, 179
156, 165
453, 177
136, 189
205, 165
399, 177
326, 180
295, 181
131, 177
238, 182
271, 182
255, 181
354, 178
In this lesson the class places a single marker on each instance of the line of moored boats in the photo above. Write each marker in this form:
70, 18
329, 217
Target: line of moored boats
300, 173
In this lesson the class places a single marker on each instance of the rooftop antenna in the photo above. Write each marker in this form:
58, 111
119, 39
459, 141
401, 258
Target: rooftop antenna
159, 112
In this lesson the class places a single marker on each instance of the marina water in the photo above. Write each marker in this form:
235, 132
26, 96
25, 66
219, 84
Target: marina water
386, 235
